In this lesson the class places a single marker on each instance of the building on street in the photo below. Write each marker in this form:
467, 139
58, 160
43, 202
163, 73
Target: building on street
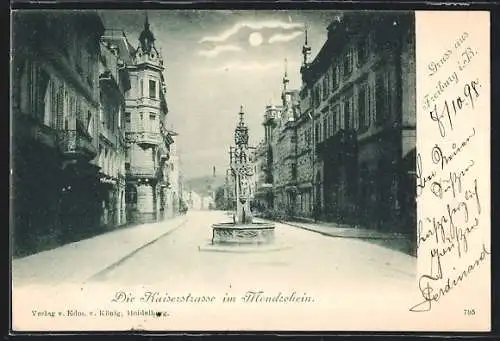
114, 81
148, 138
362, 84
263, 178
90, 144
342, 148
173, 189
193, 200
55, 107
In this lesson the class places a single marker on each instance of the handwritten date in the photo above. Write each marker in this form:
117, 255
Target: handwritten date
444, 116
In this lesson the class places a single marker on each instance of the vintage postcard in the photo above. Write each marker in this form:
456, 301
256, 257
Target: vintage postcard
237, 170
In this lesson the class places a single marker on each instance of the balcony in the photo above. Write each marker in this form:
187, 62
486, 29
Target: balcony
144, 138
149, 102
137, 172
77, 144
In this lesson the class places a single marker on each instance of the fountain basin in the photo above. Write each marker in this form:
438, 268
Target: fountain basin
246, 234
243, 238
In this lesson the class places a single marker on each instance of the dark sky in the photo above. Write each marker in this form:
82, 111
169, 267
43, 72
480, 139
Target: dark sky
212, 67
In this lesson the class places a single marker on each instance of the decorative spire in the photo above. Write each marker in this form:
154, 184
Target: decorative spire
146, 23
241, 113
306, 49
285, 77
146, 38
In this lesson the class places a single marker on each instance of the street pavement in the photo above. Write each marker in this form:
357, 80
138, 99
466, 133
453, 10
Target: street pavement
176, 258
394, 241
75, 262
169, 250
343, 273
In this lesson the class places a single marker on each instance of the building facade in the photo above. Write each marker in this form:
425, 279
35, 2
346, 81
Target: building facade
281, 139
194, 200
342, 148
114, 81
263, 198
265, 158
148, 139
173, 180
362, 85
55, 106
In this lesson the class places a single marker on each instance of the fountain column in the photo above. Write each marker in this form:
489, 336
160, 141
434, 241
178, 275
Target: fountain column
242, 234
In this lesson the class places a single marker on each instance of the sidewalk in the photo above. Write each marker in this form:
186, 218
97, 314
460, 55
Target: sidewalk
78, 261
395, 241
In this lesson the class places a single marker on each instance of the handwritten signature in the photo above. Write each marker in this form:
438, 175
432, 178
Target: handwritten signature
432, 293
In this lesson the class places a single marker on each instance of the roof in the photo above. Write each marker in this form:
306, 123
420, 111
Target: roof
118, 37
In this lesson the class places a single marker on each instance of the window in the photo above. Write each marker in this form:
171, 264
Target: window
131, 195
362, 48
142, 88
316, 135
141, 122
294, 170
347, 63
152, 122
317, 95
335, 117
119, 117
127, 121
152, 89
47, 117
335, 77
325, 127
90, 71
364, 119
347, 112
330, 124
90, 123
381, 100
325, 86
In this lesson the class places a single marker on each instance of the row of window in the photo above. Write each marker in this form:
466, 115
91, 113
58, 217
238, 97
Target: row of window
342, 68
144, 122
76, 51
51, 100
111, 163
355, 112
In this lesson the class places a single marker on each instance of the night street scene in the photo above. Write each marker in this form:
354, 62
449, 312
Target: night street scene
163, 146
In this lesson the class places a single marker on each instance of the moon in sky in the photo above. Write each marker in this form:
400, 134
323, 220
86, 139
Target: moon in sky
255, 39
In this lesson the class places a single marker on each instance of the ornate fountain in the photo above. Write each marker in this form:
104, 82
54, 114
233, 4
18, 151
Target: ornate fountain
242, 234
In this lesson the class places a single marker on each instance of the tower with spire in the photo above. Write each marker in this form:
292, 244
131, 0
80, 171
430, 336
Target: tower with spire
287, 97
147, 52
306, 51
147, 135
